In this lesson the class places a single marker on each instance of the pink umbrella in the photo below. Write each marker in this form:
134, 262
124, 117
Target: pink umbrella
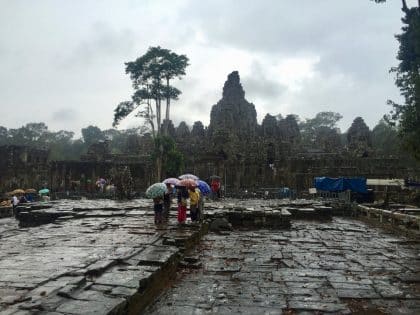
189, 183
172, 181
188, 176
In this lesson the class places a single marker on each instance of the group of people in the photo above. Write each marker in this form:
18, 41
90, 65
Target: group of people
162, 206
17, 200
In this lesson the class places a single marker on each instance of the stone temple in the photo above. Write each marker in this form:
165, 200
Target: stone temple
249, 256
245, 154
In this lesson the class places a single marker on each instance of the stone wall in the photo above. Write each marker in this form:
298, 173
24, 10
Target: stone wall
23, 167
234, 146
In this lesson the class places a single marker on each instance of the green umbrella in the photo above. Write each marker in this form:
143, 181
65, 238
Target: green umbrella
156, 190
44, 191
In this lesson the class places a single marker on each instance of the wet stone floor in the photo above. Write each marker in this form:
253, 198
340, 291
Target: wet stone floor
42, 268
340, 267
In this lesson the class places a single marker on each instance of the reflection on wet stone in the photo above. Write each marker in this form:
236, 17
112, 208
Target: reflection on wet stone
334, 267
106, 257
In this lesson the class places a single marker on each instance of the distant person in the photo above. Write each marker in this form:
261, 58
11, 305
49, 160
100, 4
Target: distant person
194, 199
29, 198
215, 188
22, 199
167, 200
200, 205
182, 204
15, 202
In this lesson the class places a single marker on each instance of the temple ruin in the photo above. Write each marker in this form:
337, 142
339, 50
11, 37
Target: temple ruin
245, 154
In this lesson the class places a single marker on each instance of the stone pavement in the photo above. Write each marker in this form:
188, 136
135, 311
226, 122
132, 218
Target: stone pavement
340, 267
106, 261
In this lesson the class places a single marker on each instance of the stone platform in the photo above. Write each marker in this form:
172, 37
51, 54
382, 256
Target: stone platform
338, 267
268, 213
107, 257
102, 257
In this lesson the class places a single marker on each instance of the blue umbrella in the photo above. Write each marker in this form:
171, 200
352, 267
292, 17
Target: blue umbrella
204, 187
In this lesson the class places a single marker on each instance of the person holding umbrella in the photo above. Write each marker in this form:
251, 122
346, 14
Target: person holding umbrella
182, 203
194, 198
156, 192
203, 189
158, 208
15, 202
167, 199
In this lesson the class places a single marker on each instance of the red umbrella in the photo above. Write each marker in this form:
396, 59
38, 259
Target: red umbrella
189, 183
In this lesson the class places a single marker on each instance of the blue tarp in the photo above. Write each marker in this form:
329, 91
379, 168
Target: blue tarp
356, 184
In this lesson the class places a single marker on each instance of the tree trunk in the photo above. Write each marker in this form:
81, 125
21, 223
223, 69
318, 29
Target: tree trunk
168, 104
168, 99
158, 169
158, 112
404, 6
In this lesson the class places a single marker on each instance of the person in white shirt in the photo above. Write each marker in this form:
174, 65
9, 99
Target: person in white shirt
15, 202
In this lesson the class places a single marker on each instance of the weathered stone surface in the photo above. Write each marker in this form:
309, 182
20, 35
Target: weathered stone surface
332, 267
88, 264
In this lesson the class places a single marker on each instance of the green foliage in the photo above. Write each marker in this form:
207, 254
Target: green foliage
92, 134
122, 110
385, 139
407, 116
60, 144
166, 151
321, 131
150, 75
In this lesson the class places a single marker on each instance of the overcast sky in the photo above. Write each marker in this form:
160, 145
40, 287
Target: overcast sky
62, 62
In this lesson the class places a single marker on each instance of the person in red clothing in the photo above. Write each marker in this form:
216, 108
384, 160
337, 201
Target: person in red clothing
215, 188
182, 203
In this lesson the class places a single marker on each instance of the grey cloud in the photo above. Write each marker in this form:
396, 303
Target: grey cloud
65, 115
347, 35
259, 85
101, 41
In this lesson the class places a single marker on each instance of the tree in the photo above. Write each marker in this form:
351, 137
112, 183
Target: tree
92, 134
313, 129
151, 75
385, 139
31, 134
328, 139
172, 159
4, 136
407, 116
